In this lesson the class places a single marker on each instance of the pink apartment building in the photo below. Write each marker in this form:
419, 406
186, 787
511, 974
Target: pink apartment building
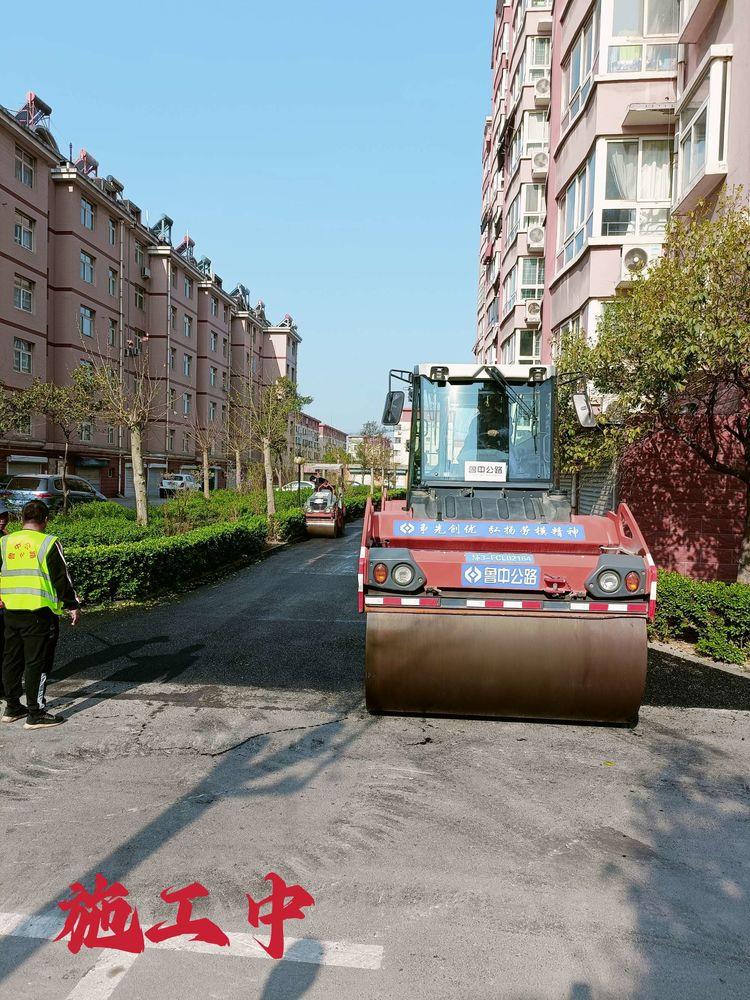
606, 117
81, 274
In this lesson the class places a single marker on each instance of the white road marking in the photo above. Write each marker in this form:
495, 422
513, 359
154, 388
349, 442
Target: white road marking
341, 954
102, 980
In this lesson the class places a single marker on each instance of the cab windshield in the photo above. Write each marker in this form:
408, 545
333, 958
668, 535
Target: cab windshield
479, 432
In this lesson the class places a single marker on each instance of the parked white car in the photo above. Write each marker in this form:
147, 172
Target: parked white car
303, 484
177, 482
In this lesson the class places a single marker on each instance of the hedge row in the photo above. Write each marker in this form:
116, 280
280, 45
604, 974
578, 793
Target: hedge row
132, 570
715, 616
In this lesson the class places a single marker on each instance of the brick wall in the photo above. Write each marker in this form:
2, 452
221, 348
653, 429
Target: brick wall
692, 518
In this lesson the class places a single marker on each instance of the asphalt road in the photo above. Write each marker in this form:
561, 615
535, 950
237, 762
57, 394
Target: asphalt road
222, 736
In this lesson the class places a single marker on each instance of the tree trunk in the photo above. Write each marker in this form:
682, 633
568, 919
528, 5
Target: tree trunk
139, 479
204, 454
743, 569
268, 469
237, 470
372, 479
66, 491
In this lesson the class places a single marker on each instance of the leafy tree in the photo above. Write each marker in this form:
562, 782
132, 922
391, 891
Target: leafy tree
675, 349
65, 406
337, 455
374, 450
269, 419
207, 436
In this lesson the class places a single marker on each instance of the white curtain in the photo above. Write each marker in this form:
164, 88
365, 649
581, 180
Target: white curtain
662, 17
656, 171
622, 171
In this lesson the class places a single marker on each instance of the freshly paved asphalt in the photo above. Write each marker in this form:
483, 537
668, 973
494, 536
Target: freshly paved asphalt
223, 735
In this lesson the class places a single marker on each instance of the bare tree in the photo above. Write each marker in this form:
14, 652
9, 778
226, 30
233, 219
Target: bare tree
127, 399
207, 436
269, 419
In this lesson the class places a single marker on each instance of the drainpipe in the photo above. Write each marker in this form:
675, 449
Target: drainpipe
120, 350
168, 369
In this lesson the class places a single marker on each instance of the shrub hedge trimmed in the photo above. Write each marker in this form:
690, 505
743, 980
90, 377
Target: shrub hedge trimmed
131, 570
715, 616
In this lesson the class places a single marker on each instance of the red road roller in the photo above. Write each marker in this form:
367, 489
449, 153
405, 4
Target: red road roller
324, 509
484, 594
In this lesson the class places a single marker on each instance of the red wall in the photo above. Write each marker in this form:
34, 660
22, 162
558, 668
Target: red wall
692, 518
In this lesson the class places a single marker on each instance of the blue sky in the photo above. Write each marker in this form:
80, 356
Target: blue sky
327, 155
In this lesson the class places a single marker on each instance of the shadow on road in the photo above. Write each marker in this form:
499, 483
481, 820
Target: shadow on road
245, 773
293, 976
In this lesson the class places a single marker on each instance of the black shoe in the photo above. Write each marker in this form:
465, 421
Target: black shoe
43, 721
14, 714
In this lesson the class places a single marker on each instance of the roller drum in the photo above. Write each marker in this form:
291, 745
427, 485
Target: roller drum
565, 666
321, 529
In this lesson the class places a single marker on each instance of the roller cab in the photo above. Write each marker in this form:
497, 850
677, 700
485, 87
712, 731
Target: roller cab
484, 594
324, 509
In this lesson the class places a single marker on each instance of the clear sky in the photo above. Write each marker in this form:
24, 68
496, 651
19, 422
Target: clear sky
327, 155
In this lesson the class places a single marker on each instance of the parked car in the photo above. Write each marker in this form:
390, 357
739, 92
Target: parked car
177, 482
303, 484
49, 488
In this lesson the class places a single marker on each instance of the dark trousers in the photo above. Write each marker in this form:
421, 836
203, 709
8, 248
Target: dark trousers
29, 653
2, 643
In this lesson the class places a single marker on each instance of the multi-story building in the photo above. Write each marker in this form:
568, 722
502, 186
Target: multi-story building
307, 436
84, 280
331, 439
607, 115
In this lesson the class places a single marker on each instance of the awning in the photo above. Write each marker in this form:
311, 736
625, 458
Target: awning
36, 459
90, 463
638, 115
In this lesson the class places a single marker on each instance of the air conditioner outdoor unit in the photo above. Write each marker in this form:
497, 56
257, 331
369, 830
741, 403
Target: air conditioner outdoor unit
145, 272
540, 164
535, 239
533, 312
636, 260
544, 26
541, 92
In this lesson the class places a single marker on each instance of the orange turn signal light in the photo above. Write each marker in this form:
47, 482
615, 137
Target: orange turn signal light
380, 573
632, 582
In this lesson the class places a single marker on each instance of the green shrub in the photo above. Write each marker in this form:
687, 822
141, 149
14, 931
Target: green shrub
96, 511
715, 616
139, 569
290, 525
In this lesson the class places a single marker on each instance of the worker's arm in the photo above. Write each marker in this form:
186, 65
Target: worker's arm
60, 577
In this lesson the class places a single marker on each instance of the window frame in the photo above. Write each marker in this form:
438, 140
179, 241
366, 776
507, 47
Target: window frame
24, 226
139, 296
87, 263
23, 292
23, 354
585, 44
88, 214
25, 167
86, 320
643, 42
572, 241
638, 205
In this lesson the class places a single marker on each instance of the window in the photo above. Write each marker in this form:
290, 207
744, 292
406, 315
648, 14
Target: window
88, 214
112, 332
22, 352
211, 411
174, 277
170, 440
23, 294
214, 340
214, 306
508, 351
185, 443
526, 209
187, 326
538, 57
86, 321
111, 231
531, 135
703, 126
138, 336
576, 214
224, 381
633, 23
638, 187
529, 347
492, 312
224, 346
187, 362
188, 288
25, 167
85, 431
187, 401
226, 313
212, 372
172, 356
532, 277
24, 231
23, 425
173, 317
139, 297
110, 434
87, 267
140, 257
578, 73
571, 326
509, 290
112, 281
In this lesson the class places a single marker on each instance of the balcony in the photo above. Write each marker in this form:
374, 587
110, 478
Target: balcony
695, 16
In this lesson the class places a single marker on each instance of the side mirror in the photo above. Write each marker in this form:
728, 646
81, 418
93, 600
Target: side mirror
584, 412
394, 407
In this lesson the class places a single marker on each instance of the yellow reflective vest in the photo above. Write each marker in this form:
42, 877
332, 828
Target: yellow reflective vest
25, 583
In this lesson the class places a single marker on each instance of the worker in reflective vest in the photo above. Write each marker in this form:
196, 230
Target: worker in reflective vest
4, 518
35, 588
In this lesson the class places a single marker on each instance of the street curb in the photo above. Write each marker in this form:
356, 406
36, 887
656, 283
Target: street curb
694, 659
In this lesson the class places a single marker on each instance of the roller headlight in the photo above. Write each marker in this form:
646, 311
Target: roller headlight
609, 581
402, 574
